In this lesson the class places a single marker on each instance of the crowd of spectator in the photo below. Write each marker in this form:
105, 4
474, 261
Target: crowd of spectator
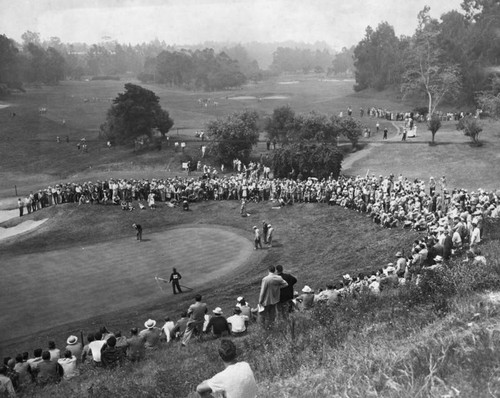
451, 222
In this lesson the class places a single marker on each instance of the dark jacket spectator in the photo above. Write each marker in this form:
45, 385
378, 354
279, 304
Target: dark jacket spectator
48, 371
111, 356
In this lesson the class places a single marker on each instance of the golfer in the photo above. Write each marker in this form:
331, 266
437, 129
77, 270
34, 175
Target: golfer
138, 228
175, 277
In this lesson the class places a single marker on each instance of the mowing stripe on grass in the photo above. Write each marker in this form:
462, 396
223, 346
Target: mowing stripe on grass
42, 290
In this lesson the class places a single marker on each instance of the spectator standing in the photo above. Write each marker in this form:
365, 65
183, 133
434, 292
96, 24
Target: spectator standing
235, 381
20, 205
270, 232
286, 292
196, 313
257, 238
270, 295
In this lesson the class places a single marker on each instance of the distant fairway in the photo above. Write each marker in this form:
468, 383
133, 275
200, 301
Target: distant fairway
52, 288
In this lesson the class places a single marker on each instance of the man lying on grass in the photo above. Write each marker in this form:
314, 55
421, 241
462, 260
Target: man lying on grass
235, 381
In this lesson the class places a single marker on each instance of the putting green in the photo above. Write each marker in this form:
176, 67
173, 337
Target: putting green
47, 289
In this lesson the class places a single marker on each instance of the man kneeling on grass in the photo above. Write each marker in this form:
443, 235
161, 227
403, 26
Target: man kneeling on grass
235, 381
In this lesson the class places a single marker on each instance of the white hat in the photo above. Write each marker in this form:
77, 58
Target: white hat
217, 311
239, 298
306, 289
72, 340
150, 323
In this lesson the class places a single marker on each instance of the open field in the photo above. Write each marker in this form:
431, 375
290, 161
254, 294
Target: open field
82, 268
30, 156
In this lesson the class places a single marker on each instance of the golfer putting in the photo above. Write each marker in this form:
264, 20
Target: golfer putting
138, 229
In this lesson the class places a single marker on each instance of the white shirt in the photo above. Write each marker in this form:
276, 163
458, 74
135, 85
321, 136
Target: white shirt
237, 323
95, 347
236, 381
69, 367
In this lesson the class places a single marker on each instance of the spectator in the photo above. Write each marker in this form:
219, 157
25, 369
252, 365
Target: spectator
235, 381
135, 344
306, 299
151, 334
37, 358
196, 312
55, 353
180, 326
6, 387
238, 323
270, 295
110, 355
23, 369
167, 330
74, 346
245, 307
49, 371
68, 364
218, 324
95, 348
11, 373
286, 293
121, 342
86, 353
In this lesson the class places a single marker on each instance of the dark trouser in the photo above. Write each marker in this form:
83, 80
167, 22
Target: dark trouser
139, 235
176, 286
268, 315
284, 308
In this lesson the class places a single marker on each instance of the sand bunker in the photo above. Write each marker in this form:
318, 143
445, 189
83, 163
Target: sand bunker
276, 97
243, 97
20, 228
290, 82
4, 106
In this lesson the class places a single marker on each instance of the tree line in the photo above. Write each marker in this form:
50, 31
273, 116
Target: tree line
453, 58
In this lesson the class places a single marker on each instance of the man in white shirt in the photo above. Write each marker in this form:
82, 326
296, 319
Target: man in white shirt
238, 323
235, 381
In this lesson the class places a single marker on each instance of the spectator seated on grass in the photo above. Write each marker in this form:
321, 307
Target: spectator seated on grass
238, 323
217, 325
235, 381
23, 369
180, 326
306, 299
95, 348
330, 296
6, 387
111, 356
245, 308
10, 364
167, 330
121, 342
86, 353
48, 371
74, 346
151, 334
37, 358
136, 349
68, 363
55, 353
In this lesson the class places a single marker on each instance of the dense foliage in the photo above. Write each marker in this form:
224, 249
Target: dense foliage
454, 57
234, 136
471, 128
135, 113
304, 60
303, 160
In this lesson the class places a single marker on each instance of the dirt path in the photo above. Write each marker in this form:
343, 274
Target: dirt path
51, 288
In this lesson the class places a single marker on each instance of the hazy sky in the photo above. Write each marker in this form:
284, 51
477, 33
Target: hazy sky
337, 22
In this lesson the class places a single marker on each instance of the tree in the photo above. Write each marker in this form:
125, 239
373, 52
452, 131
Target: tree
280, 124
134, 113
427, 70
307, 160
471, 127
349, 128
233, 136
434, 124
9, 57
